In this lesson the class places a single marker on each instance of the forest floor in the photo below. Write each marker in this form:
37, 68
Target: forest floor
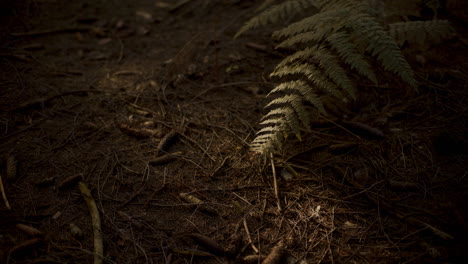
90, 89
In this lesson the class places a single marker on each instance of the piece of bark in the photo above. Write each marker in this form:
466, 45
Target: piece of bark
166, 142
32, 231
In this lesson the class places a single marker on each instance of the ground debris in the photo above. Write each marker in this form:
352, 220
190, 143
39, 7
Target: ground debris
209, 244
139, 132
277, 255
32, 231
166, 142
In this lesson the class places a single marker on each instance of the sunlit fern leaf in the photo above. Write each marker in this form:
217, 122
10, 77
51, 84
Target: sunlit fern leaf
296, 102
269, 137
328, 62
302, 55
421, 32
341, 42
342, 35
270, 129
311, 37
275, 14
277, 128
313, 74
287, 114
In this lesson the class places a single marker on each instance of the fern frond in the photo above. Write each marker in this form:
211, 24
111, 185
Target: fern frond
383, 47
268, 139
332, 68
421, 32
341, 42
325, 5
304, 89
301, 55
314, 74
289, 116
264, 5
295, 102
275, 14
343, 35
328, 62
324, 21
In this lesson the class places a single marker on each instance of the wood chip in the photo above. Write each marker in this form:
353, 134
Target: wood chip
11, 170
32, 231
166, 142
364, 130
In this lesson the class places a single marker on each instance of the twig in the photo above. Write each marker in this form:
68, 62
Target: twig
178, 6
164, 159
50, 31
96, 220
246, 227
157, 190
363, 190
7, 204
43, 100
342, 127
275, 182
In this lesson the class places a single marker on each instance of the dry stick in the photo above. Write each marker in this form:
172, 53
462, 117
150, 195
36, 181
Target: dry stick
50, 31
246, 227
7, 204
275, 182
96, 220
157, 190
44, 100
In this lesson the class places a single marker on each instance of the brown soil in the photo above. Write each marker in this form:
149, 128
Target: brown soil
89, 89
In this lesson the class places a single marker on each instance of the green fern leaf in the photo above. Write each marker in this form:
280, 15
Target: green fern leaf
332, 68
382, 46
289, 116
341, 42
304, 89
328, 62
312, 73
275, 14
296, 102
421, 32
301, 55
343, 35
325, 21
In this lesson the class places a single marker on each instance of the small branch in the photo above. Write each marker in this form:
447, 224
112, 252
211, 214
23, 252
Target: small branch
249, 237
43, 100
2, 190
96, 220
50, 31
275, 182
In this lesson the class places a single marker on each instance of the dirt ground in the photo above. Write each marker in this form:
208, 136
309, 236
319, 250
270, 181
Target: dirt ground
94, 93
